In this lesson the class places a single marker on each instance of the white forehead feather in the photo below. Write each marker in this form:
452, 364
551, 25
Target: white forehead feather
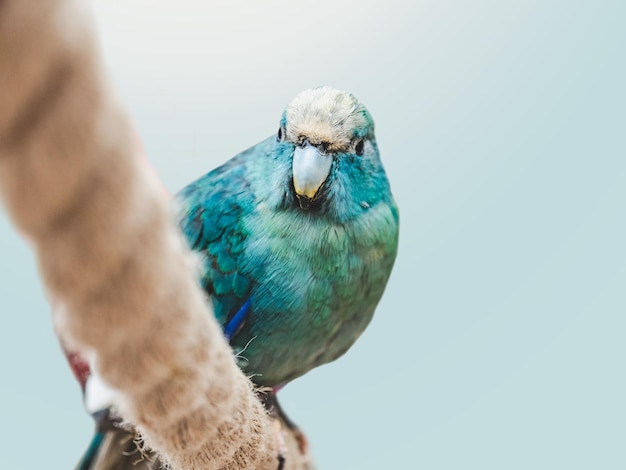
325, 114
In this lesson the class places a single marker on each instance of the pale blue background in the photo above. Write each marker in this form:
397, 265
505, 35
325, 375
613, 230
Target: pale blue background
500, 341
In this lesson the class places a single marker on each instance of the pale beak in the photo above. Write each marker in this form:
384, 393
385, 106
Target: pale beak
310, 170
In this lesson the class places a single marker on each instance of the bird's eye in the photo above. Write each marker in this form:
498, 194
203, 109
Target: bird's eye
358, 148
281, 135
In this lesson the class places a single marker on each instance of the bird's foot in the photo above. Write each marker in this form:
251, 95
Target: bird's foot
271, 404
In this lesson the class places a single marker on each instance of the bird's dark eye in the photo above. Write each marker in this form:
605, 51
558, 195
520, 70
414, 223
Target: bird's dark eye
279, 136
358, 148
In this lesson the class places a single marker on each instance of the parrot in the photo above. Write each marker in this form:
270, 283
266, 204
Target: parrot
296, 239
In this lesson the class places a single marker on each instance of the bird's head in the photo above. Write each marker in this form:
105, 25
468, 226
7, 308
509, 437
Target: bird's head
328, 135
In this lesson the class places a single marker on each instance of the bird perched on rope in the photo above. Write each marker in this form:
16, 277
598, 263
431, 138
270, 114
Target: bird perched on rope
297, 238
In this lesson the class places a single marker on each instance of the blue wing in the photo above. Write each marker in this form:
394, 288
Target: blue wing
213, 208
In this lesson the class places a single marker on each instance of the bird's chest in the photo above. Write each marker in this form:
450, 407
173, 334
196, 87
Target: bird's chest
317, 268
316, 286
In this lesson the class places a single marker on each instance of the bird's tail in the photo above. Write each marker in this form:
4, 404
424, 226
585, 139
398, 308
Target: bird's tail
116, 448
